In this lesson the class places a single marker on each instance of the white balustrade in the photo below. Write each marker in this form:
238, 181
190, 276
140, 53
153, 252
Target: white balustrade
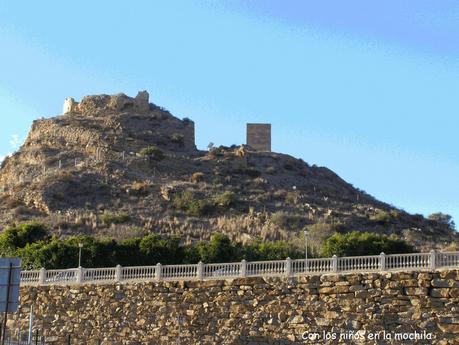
61, 276
448, 259
175, 272
99, 274
276, 268
30, 277
229, 270
408, 261
265, 268
359, 263
138, 273
316, 266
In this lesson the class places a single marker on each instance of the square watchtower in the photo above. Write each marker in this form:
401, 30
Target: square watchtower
259, 136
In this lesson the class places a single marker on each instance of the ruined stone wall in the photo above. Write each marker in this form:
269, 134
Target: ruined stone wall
101, 105
252, 310
189, 135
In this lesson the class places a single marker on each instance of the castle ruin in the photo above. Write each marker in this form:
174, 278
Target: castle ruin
259, 136
102, 104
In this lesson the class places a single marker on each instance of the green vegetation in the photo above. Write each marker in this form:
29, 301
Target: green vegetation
20, 236
277, 250
178, 139
443, 218
31, 242
152, 152
191, 206
364, 243
218, 249
195, 207
318, 234
114, 218
286, 221
225, 199
385, 218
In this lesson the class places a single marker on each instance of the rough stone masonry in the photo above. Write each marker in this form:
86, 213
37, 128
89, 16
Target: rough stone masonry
252, 310
259, 136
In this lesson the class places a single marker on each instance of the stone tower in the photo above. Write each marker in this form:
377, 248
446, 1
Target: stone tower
259, 136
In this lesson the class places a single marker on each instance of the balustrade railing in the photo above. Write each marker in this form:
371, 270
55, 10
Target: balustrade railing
277, 268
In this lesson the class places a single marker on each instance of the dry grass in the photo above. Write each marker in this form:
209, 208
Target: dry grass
197, 177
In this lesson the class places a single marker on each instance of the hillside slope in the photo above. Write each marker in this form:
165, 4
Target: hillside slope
120, 166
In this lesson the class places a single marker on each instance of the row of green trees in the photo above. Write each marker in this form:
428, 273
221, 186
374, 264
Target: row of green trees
32, 242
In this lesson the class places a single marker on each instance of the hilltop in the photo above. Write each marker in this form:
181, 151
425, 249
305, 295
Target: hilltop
120, 166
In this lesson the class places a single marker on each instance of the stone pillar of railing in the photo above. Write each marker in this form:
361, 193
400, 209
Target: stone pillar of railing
118, 273
334, 264
200, 270
80, 275
243, 268
382, 261
158, 273
42, 276
288, 267
433, 259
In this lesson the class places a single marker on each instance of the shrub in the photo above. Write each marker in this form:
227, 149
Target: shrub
152, 152
225, 199
155, 249
279, 218
112, 218
443, 218
317, 234
381, 217
139, 187
271, 170
199, 208
128, 253
193, 207
252, 173
178, 139
218, 249
21, 235
289, 167
51, 252
197, 177
384, 218
182, 200
286, 221
364, 243
277, 250
292, 198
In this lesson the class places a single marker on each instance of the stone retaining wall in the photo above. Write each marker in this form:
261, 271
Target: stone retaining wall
253, 310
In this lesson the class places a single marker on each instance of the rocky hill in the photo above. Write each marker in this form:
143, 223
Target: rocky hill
121, 166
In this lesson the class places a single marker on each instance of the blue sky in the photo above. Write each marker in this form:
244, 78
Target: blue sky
368, 89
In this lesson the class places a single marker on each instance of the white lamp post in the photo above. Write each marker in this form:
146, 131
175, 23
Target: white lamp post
306, 249
80, 245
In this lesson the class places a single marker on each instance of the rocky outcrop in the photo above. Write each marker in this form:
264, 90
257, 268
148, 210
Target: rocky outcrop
302, 310
102, 105
74, 167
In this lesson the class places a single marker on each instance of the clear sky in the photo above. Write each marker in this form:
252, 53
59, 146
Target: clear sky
369, 89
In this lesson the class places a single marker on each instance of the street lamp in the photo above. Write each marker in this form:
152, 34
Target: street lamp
306, 249
80, 245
